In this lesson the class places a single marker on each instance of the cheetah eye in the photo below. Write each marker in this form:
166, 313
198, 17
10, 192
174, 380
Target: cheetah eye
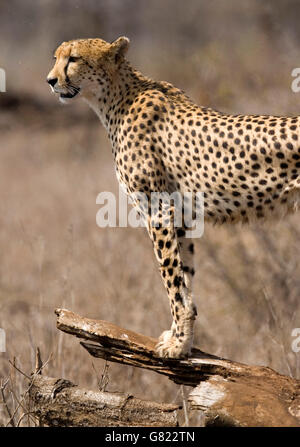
73, 59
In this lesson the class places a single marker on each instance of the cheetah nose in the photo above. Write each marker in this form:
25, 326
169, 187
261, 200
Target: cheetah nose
52, 81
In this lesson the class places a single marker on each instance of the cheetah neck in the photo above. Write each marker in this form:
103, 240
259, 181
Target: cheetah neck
112, 98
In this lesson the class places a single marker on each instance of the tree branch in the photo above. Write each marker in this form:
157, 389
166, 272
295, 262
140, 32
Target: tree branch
58, 402
230, 393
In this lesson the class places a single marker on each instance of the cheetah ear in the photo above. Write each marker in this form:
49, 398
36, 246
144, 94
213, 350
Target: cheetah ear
119, 47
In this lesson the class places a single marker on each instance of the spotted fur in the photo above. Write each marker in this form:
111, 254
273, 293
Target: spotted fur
247, 166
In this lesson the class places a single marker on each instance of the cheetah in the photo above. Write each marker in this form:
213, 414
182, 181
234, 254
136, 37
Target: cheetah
246, 166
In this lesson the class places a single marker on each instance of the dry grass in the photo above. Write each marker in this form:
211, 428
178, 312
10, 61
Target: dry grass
54, 255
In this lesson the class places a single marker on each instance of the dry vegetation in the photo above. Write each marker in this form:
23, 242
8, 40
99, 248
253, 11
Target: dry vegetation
234, 56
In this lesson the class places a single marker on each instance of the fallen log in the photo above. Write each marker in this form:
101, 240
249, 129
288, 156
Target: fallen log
58, 402
230, 393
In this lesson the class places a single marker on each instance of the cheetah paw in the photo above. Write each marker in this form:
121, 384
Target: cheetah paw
169, 346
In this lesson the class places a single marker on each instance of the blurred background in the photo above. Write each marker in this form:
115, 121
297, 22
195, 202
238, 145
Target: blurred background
54, 160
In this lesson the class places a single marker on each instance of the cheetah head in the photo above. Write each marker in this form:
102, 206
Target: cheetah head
82, 64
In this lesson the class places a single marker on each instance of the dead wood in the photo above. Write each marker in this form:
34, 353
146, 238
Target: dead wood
230, 393
58, 402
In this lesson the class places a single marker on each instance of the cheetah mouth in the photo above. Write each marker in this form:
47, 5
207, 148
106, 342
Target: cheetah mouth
70, 94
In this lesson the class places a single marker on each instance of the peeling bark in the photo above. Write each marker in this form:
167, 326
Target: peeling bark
230, 393
58, 402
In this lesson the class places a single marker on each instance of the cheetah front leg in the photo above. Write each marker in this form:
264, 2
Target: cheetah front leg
174, 254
